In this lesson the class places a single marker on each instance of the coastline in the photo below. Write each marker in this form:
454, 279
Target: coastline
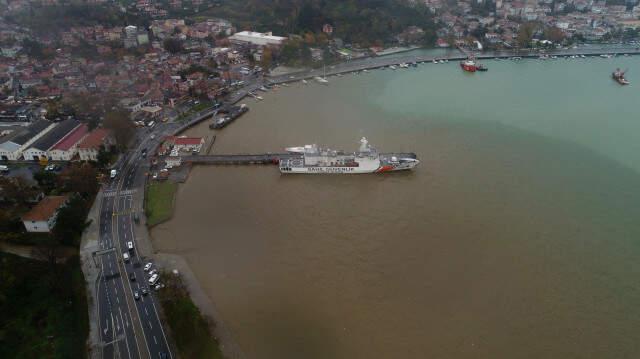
201, 299
228, 345
205, 304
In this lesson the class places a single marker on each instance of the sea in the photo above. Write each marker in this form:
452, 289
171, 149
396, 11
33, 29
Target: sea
518, 236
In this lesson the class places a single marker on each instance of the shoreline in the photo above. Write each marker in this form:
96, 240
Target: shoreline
229, 347
204, 302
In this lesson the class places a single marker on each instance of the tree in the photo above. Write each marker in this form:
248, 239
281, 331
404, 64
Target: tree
266, 59
71, 221
81, 178
16, 190
47, 180
554, 34
104, 157
122, 128
172, 45
525, 34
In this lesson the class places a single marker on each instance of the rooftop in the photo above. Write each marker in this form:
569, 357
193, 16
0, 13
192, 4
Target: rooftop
94, 139
56, 134
34, 129
45, 209
72, 138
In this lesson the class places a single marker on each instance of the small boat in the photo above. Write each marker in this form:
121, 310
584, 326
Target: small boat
365, 71
321, 80
403, 66
263, 89
392, 67
468, 65
481, 67
304, 81
618, 75
445, 61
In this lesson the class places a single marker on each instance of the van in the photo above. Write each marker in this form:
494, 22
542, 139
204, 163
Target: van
130, 245
125, 256
4, 168
154, 279
114, 173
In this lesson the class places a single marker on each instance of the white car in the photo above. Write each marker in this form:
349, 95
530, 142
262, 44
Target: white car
125, 256
154, 279
130, 245
147, 267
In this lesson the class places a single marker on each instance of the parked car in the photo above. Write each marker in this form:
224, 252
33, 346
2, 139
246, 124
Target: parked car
144, 291
125, 256
136, 295
147, 266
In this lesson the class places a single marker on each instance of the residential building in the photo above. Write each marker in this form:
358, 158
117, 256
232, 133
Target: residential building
67, 147
39, 149
12, 145
89, 147
131, 36
189, 144
42, 217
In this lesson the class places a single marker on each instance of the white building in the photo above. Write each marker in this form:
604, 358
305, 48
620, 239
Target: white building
13, 145
67, 147
257, 38
42, 217
90, 146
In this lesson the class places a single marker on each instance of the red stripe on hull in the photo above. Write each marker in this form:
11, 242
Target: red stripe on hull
386, 168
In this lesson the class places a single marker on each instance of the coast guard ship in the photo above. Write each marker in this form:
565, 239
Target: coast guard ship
314, 159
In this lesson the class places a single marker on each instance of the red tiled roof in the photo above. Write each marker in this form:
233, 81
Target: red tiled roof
45, 209
94, 139
71, 138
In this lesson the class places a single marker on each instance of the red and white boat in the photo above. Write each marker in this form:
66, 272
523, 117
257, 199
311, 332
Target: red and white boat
469, 65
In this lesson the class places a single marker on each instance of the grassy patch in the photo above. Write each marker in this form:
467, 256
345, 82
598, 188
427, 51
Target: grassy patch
43, 309
190, 329
159, 201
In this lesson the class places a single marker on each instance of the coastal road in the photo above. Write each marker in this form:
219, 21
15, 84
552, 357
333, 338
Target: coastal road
129, 328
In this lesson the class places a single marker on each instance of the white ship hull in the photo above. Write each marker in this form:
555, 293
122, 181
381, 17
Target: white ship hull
342, 170
311, 159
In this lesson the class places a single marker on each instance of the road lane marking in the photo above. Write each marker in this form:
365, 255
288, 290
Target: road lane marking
146, 311
155, 340
150, 326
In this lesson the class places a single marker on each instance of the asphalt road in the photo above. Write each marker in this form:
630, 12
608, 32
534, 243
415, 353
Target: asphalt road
129, 328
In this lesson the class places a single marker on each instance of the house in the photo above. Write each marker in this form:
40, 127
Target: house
39, 149
42, 217
89, 147
67, 147
12, 145
190, 144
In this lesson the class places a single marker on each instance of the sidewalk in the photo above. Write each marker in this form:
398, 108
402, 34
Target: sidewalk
90, 243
